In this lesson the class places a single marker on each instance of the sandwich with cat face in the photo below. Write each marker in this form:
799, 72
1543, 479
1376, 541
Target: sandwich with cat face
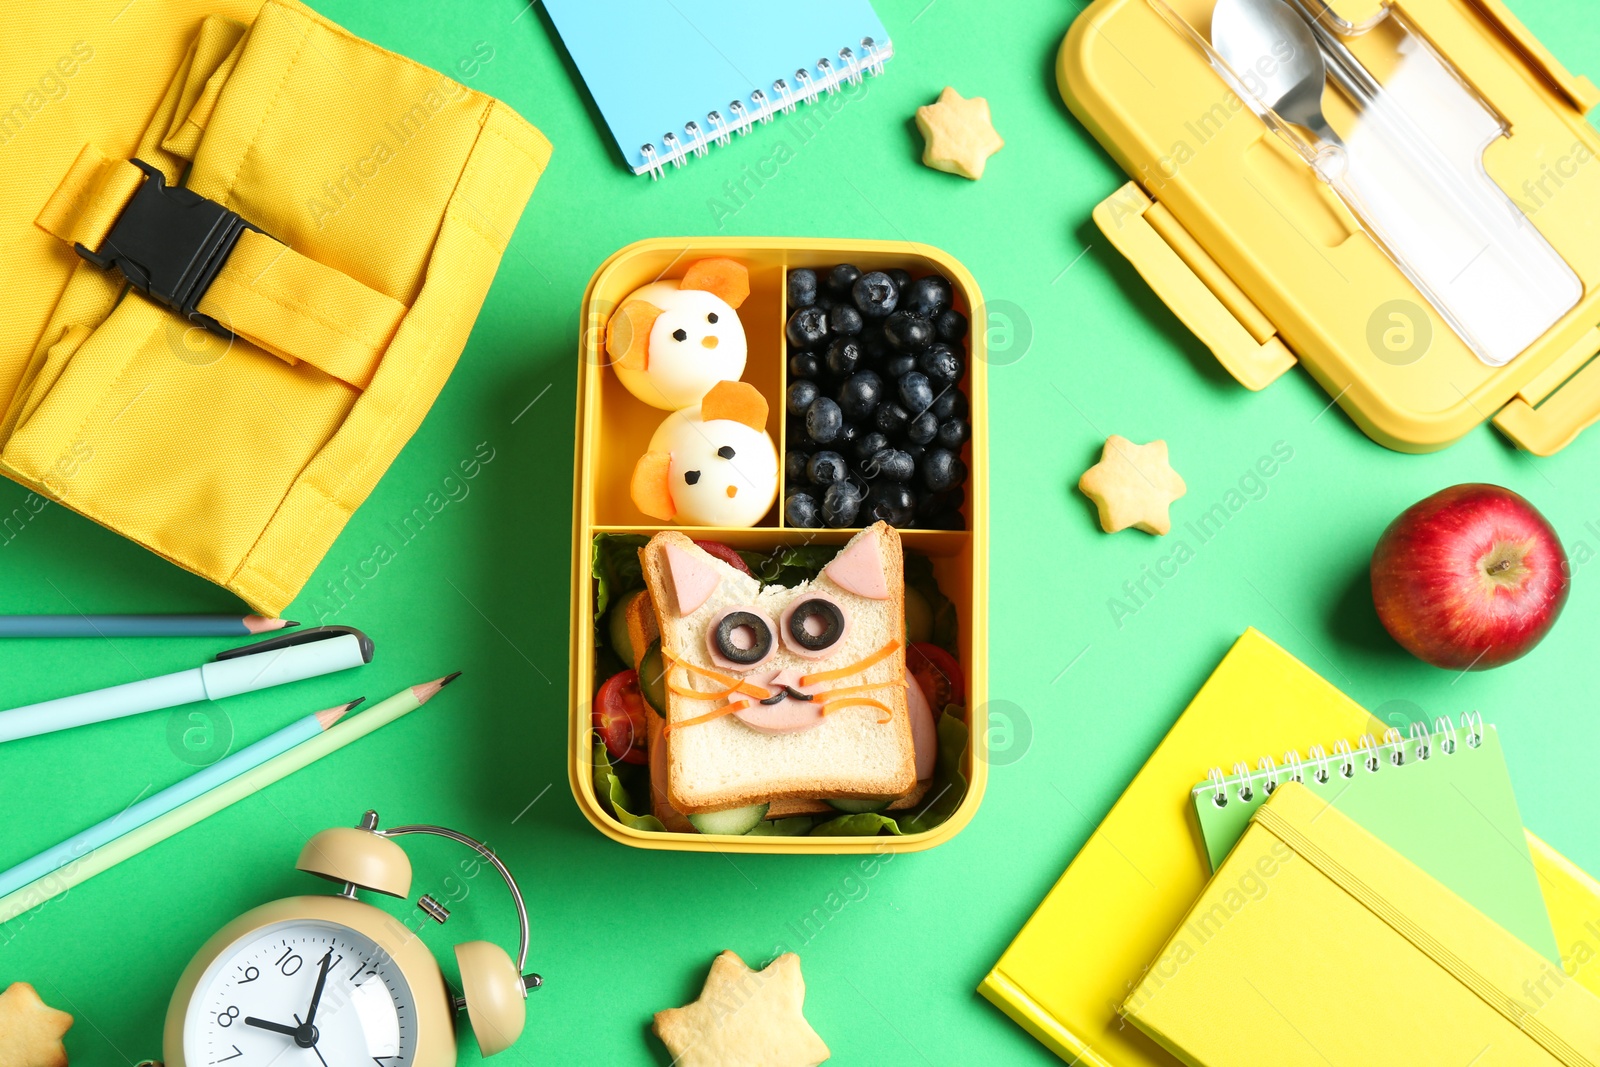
784, 696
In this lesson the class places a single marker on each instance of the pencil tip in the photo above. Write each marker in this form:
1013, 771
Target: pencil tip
332, 715
288, 623
355, 703
260, 624
426, 691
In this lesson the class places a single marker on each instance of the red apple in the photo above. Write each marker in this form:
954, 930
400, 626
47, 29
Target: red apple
1470, 578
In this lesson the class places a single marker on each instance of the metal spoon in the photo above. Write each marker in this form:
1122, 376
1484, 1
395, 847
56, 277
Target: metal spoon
1253, 37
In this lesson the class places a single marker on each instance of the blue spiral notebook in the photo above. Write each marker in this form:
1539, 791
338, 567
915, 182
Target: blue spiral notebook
673, 77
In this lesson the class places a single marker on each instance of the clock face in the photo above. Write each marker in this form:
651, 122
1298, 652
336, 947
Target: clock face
252, 1005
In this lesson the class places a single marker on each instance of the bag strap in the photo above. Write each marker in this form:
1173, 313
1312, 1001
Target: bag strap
264, 291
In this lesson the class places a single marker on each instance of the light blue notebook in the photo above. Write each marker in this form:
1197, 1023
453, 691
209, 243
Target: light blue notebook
674, 76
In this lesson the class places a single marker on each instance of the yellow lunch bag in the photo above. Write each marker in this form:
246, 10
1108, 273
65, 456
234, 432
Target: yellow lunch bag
243, 251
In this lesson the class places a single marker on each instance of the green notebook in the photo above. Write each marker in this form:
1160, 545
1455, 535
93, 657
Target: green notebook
1441, 798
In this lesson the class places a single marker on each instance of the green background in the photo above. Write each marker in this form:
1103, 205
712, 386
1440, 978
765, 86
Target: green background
620, 933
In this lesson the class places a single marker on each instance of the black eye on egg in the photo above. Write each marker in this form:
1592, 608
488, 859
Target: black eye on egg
691, 476
679, 335
712, 318
726, 452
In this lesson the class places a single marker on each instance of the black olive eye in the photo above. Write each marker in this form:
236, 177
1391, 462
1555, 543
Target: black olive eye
679, 335
816, 624
712, 318
742, 637
726, 452
691, 476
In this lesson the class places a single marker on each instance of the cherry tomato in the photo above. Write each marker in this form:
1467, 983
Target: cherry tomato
726, 554
938, 673
619, 713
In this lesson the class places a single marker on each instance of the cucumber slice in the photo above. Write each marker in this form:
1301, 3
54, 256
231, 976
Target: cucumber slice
919, 617
617, 627
859, 807
653, 678
736, 821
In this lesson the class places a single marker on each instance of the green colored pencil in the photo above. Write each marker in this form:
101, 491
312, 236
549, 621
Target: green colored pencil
204, 806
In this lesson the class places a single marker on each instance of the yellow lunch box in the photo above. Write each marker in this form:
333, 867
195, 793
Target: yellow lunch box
1270, 267
614, 429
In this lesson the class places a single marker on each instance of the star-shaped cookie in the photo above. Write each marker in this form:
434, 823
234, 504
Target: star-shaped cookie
1133, 485
960, 138
744, 1018
31, 1030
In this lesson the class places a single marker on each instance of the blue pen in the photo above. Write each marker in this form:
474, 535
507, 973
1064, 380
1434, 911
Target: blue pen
152, 808
275, 661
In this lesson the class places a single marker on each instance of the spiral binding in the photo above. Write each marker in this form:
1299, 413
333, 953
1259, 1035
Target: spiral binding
1368, 755
808, 85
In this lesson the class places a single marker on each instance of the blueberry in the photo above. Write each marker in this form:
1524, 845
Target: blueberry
845, 321
805, 366
807, 328
940, 363
860, 394
921, 430
902, 278
916, 393
800, 509
825, 301
823, 420
825, 468
875, 295
953, 433
951, 325
926, 296
942, 469
873, 346
906, 331
916, 452
802, 288
843, 355
794, 466
890, 463
891, 502
800, 395
899, 366
842, 278
890, 418
869, 445
841, 503
950, 404
847, 436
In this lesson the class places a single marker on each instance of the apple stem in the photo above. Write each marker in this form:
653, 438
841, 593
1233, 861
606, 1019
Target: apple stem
1499, 566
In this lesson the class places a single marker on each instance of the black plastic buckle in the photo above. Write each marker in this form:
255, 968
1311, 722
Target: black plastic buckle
170, 242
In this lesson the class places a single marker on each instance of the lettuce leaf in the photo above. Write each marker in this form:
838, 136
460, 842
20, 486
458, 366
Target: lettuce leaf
610, 787
614, 562
797, 826
868, 824
949, 786
789, 566
946, 625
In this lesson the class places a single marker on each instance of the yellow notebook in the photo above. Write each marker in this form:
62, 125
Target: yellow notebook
1316, 944
1085, 948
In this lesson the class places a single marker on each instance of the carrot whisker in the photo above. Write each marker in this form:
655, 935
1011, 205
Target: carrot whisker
726, 709
855, 668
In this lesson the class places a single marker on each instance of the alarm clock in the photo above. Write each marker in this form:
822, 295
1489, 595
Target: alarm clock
331, 981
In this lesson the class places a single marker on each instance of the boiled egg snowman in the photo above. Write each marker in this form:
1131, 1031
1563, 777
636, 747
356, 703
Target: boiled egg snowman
712, 463
671, 341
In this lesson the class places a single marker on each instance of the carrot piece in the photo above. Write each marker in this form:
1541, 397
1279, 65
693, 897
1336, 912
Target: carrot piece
726, 709
628, 334
649, 489
739, 401
855, 668
726, 278
831, 706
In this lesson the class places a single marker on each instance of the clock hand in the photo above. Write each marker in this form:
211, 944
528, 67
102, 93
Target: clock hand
278, 1028
313, 1045
316, 994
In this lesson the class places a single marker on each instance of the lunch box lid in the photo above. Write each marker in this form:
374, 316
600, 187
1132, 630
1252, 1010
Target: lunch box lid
1267, 265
